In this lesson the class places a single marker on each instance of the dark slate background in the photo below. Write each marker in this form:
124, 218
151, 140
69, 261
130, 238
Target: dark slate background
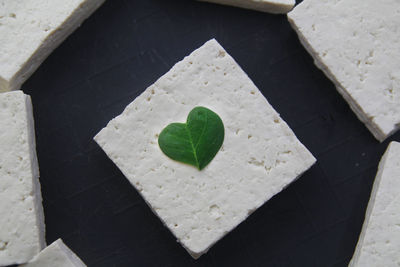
122, 49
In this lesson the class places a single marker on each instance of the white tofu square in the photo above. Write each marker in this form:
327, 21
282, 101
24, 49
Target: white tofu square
357, 44
259, 158
31, 29
55, 255
379, 241
21, 220
269, 6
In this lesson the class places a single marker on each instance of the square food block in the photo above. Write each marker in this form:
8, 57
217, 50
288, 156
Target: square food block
357, 44
55, 255
260, 155
269, 6
21, 220
30, 30
379, 241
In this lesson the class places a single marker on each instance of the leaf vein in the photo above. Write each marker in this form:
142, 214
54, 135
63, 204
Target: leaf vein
202, 131
193, 149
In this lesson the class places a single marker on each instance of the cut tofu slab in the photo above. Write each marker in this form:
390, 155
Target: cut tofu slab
259, 158
30, 30
357, 44
21, 219
269, 6
55, 255
379, 241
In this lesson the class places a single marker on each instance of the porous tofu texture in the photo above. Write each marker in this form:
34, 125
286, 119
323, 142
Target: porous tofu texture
55, 255
260, 155
21, 220
379, 241
31, 29
357, 44
269, 6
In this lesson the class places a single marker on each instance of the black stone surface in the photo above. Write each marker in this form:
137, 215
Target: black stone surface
123, 48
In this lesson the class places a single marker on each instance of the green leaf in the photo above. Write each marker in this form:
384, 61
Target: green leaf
195, 142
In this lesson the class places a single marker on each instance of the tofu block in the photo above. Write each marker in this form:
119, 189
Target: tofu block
269, 6
260, 155
379, 241
30, 30
21, 212
356, 44
55, 255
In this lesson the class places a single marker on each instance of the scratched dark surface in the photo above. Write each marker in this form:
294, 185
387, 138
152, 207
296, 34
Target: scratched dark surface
123, 48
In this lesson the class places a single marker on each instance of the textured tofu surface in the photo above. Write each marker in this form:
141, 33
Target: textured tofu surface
55, 255
21, 212
30, 30
269, 6
379, 241
357, 44
260, 155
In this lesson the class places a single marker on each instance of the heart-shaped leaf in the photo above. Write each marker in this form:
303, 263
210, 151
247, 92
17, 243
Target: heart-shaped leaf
195, 142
